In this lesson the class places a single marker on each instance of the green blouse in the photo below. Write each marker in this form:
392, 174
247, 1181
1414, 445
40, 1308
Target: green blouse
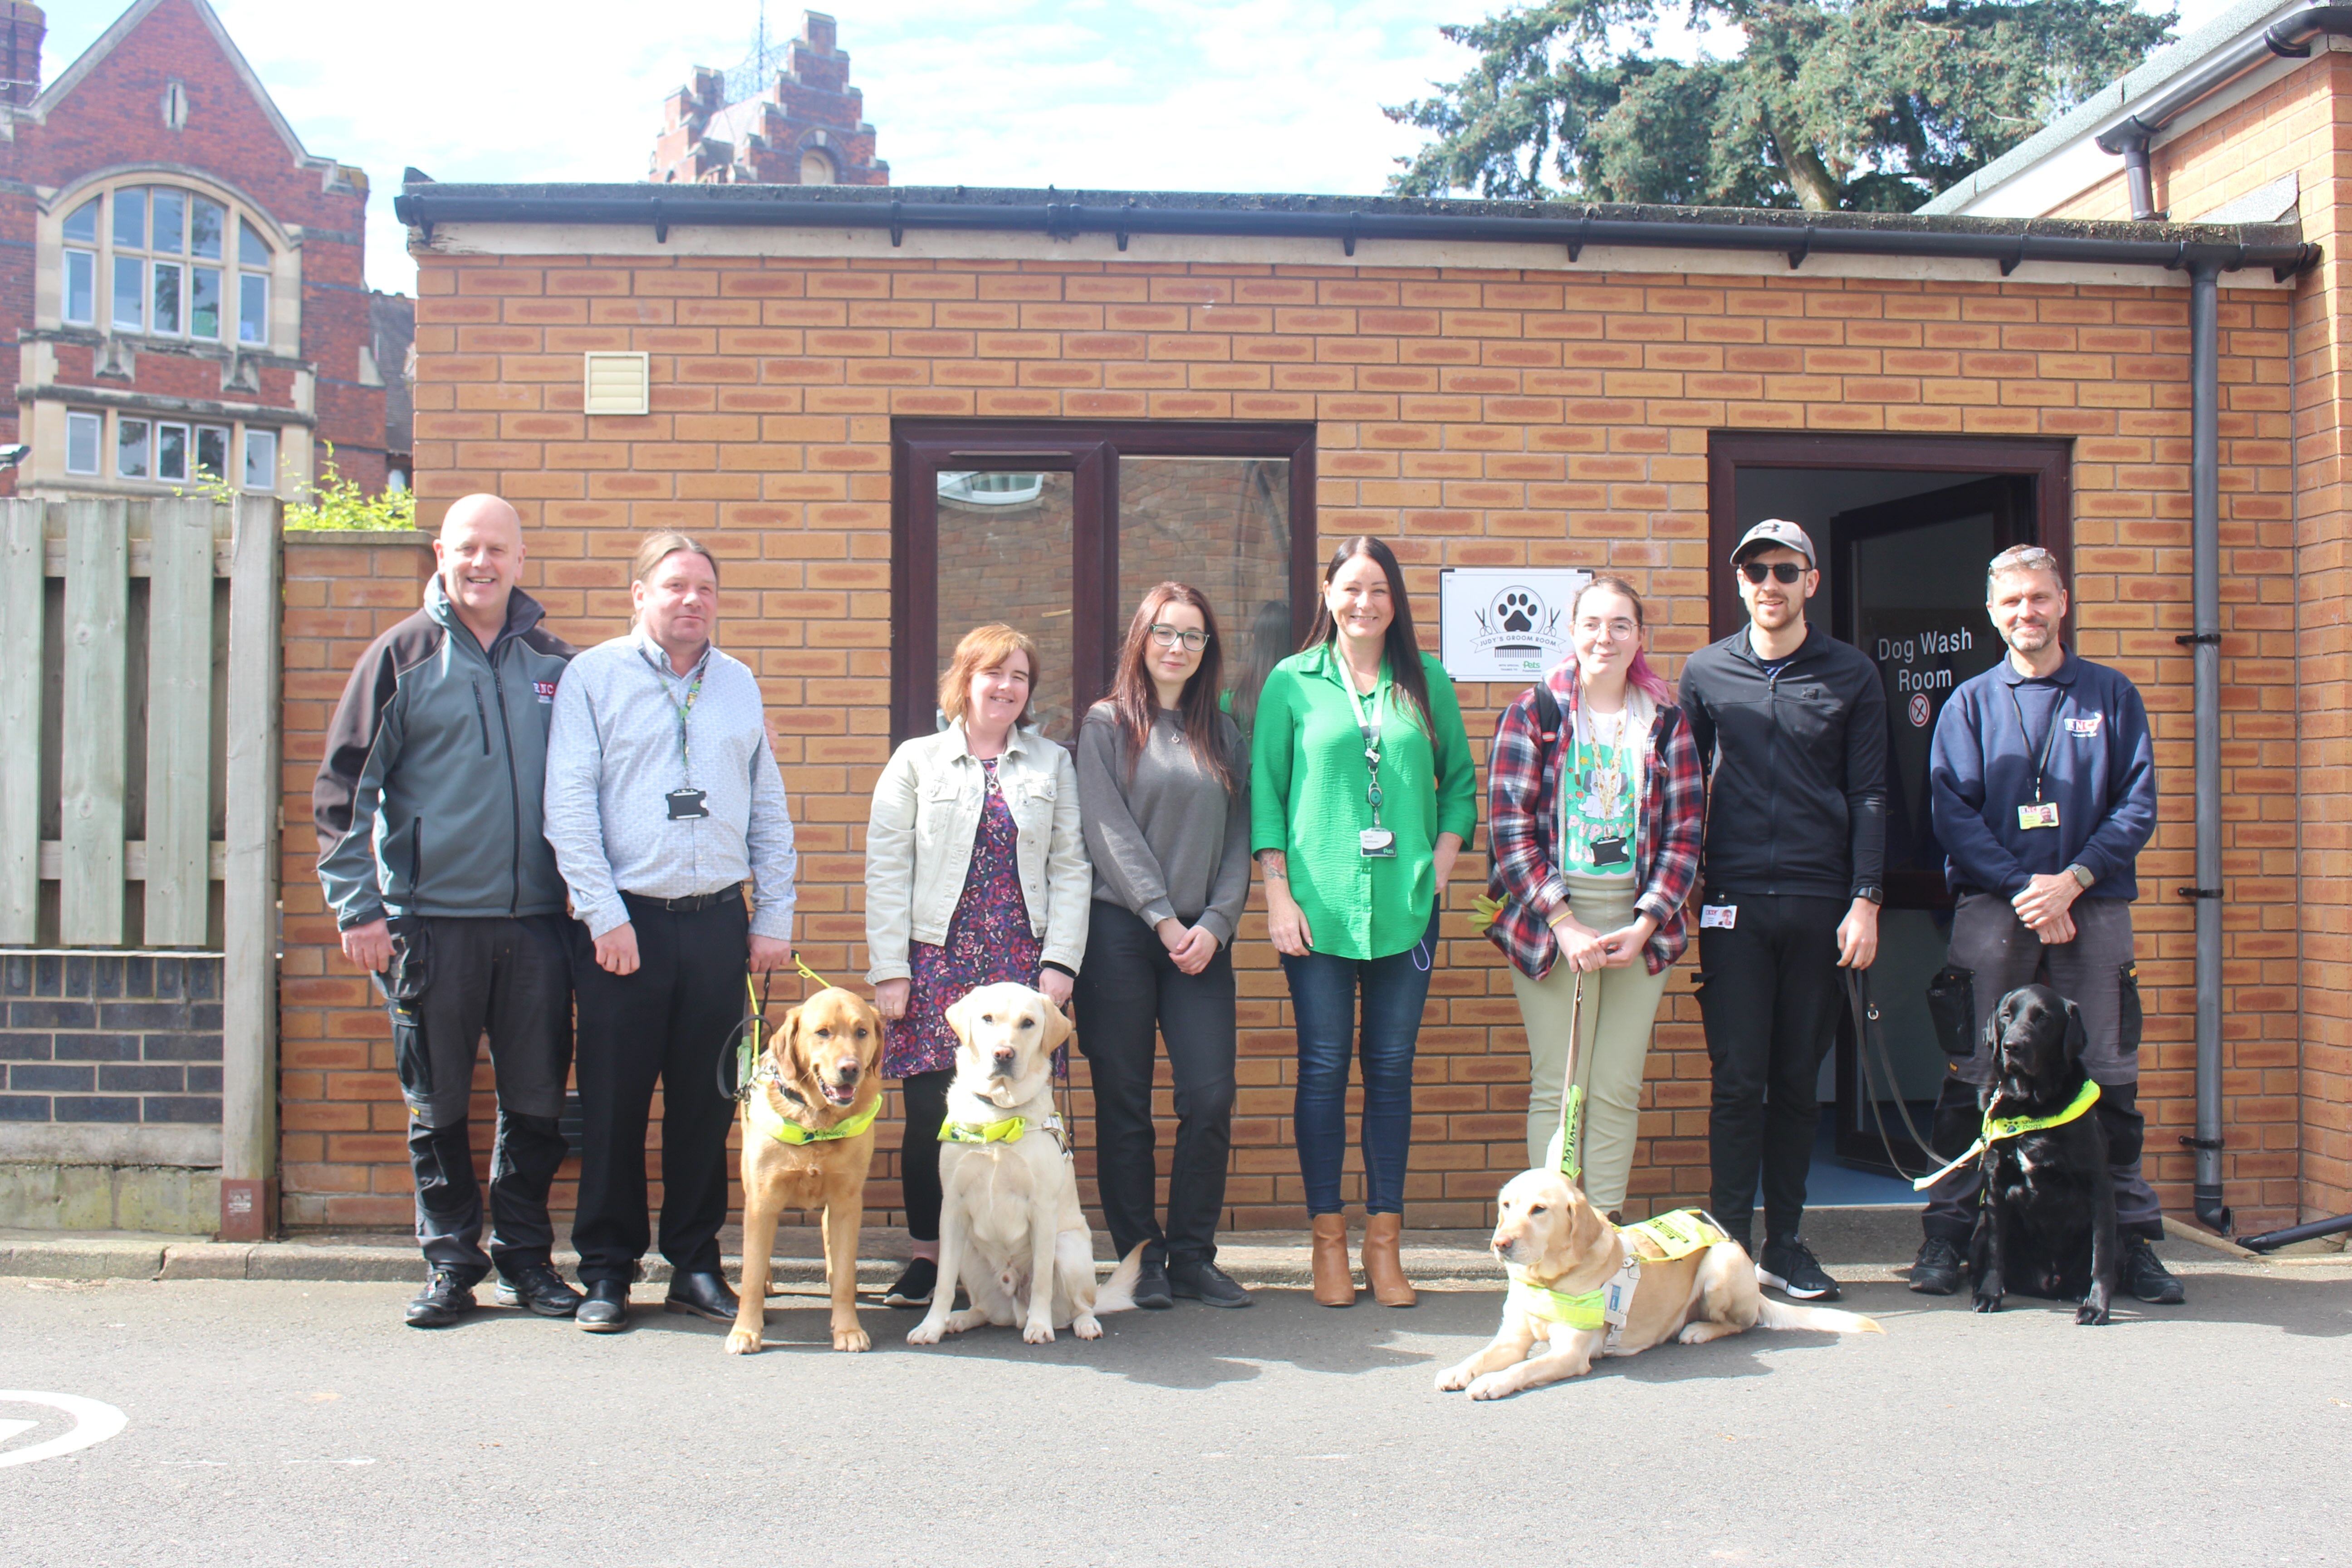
1307, 799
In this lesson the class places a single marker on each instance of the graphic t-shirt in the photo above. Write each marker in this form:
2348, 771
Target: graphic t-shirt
1596, 799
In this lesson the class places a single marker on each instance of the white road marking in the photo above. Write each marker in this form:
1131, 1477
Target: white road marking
94, 1422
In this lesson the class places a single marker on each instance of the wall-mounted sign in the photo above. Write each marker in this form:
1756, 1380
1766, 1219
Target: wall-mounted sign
1505, 623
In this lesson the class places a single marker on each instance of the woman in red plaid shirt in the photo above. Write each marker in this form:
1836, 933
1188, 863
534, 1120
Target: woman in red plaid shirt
1594, 838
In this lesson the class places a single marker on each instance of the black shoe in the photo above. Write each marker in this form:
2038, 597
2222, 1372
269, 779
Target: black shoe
915, 1286
540, 1287
2146, 1277
1937, 1270
1202, 1282
1151, 1289
704, 1295
607, 1310
1789, 1268
447, 1295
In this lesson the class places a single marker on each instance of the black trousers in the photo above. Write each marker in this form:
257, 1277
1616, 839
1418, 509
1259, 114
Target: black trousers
924, 1096
667, 1021
455, 980
1768, 989
1128, 989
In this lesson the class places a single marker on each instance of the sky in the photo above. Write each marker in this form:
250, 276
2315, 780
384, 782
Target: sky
1214, 95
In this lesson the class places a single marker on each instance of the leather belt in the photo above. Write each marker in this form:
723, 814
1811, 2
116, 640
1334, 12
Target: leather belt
693, 904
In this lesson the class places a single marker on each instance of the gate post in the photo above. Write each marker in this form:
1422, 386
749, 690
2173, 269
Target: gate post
249, 977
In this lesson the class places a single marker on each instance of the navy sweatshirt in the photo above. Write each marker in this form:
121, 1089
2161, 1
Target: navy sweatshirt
2100, 772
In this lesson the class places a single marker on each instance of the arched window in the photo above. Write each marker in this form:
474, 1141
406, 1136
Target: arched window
167, 262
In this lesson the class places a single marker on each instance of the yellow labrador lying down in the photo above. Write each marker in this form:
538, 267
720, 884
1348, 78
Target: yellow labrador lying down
1559, 1251
1011, 1231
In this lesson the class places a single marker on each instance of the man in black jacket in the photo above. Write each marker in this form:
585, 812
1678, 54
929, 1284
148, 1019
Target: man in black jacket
1791, 726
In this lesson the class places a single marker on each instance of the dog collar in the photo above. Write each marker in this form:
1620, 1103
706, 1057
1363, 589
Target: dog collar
765, 1118
1997, 1128
1008, 1130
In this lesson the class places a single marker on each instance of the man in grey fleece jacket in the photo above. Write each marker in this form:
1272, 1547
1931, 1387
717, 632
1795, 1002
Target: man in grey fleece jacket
432, 855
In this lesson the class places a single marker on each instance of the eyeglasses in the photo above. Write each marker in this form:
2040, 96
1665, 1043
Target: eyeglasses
1167, 636
1786, 571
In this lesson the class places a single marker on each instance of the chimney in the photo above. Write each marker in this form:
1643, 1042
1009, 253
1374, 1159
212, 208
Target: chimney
22, 28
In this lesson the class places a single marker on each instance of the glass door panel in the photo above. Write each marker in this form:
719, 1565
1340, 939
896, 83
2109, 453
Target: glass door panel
1223, 526
1006, 553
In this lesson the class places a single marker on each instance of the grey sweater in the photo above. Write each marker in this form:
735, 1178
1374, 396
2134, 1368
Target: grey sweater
1171, 843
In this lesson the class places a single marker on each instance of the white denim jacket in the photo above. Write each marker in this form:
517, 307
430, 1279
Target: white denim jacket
920, 837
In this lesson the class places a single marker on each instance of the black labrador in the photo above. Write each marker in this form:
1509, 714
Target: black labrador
2048, 1225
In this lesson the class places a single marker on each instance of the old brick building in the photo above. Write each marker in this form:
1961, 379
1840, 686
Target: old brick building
852, 394
183, 288
799, 123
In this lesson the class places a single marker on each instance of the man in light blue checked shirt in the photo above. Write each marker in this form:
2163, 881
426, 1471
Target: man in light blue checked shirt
662, 799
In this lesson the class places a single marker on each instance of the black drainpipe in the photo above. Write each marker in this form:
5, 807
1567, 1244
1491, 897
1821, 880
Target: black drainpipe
2205, 646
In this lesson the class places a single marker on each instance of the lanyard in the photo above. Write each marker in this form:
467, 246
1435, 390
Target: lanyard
684, 711
2057, 705
1370, 726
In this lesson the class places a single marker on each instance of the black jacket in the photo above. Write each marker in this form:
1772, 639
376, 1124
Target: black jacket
1796, 766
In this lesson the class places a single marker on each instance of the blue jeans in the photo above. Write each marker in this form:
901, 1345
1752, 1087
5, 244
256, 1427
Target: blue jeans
1323, 995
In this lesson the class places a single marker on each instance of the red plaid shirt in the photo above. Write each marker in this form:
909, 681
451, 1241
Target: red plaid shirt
1523, 830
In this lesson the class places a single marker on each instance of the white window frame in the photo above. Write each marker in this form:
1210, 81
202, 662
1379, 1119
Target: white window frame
244, 467
146, 447
94, 423
164, 429
242, 282
228, 434
89, 260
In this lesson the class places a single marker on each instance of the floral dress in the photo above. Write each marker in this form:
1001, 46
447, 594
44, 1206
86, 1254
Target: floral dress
989, 940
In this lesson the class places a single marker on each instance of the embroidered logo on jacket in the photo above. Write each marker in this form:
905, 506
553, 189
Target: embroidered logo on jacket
546, 690
2085, 729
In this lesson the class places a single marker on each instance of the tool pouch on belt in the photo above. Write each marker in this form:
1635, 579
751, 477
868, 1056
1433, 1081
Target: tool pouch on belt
2130, 1019
403, 988
1952, 1007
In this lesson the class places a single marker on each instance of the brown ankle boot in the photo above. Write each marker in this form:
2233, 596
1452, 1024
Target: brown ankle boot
1383, 1268
1334, 1286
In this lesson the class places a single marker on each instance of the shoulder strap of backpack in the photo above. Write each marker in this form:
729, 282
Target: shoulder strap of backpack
1547, 715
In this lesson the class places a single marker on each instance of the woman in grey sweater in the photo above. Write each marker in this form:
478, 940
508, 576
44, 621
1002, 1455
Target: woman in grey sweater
1161, 776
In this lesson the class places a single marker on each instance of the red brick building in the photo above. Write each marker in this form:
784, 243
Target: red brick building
802, 125
181, 285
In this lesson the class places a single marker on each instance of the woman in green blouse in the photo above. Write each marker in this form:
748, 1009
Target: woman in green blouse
1361, 795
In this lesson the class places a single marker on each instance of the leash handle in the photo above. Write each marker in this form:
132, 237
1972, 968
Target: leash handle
800, 967
1563, 1154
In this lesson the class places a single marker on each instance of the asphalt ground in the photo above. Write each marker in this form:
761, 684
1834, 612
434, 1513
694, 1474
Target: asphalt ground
284, 1422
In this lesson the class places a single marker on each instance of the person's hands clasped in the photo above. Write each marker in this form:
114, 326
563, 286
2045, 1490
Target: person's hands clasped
2055, 931
2043, 897
1623, 946
1056, 987
890, 998
1191, 947
616, 949
369, 945
1580, 945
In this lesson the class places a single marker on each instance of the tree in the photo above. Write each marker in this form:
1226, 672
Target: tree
1831, 105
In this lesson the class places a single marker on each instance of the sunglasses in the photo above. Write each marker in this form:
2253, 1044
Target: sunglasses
1167, 636
1786, 571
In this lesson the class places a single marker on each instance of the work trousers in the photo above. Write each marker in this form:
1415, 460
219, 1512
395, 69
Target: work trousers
454, 980
2001, 953
1769, 992
668, 1021
1129, 989
1612, 1045
1324, 991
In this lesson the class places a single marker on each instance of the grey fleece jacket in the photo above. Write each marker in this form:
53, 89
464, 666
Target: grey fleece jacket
1172, 842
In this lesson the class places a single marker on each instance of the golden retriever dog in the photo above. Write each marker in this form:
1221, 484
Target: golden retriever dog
1011, 1231
1558, 1243
808, 1139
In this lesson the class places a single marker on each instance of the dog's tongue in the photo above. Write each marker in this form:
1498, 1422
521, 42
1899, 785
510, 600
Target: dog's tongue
839, 1094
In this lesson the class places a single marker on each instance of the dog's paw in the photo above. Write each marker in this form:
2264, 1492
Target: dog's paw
926, 1332
743, 1341
1454, 1378
1037, 1334
2093, 1312
1988, 1301
1086, 1326
851, 1340
1493, 1385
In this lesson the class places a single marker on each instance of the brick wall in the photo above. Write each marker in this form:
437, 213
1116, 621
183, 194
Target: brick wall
1474, 418
119, 1039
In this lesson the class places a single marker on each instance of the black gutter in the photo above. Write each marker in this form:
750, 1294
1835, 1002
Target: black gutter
1795, 236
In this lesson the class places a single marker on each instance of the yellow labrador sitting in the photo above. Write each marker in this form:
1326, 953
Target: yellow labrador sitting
1557, 1247
1011, 1231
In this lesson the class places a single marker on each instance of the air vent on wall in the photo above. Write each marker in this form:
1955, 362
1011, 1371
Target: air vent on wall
616, 383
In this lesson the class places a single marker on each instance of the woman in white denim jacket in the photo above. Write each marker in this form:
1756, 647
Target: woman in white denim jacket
976, 872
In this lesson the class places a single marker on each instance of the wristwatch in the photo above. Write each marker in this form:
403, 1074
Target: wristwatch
2081, 875
1874, 894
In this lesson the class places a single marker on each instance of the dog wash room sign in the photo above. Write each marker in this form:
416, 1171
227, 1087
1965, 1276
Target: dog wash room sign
1505, 623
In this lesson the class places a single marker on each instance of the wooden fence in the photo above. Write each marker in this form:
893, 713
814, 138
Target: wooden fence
138, 762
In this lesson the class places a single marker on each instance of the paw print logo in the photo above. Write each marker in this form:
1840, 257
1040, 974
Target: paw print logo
1515, 610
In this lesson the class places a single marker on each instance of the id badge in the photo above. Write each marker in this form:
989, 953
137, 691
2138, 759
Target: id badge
1718, 917
1376, 844
686, 805
2042, 814
1607, 851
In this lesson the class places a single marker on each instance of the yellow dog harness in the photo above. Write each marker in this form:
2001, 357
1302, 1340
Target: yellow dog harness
1008, 1130
1997, 1128
1666, 1237
763, 1117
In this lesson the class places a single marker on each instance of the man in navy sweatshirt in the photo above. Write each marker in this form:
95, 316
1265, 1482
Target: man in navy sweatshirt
2044, 785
